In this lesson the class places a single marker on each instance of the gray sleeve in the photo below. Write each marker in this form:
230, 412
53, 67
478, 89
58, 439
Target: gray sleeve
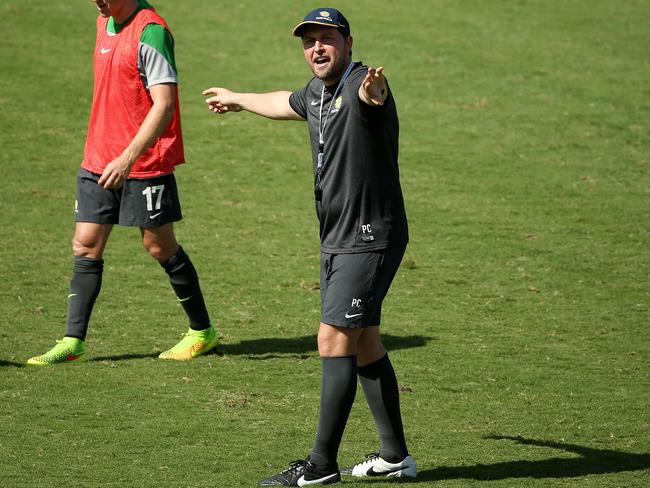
153, 67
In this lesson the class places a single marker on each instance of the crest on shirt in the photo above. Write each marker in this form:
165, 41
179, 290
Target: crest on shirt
337, 104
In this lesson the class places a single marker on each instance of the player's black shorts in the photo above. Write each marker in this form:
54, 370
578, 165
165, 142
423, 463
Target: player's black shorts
353, 286
139, 203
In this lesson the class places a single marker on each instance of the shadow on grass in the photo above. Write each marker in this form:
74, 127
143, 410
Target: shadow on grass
12, 364
591, 461
268, 348
125, 357
304, 347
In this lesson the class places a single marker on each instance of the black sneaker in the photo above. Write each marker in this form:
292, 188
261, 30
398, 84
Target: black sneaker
303, 473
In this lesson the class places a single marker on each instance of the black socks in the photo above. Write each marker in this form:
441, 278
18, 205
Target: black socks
84, 287
185, 282
380, 387
87, 281
338, 388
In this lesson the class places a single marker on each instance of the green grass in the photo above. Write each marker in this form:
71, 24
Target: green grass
518, 323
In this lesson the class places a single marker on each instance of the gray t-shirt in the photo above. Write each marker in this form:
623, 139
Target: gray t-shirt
361, 208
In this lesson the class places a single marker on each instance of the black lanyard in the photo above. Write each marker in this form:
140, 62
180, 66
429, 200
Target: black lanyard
318, 190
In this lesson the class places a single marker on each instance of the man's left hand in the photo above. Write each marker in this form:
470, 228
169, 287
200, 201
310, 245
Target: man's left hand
373, 87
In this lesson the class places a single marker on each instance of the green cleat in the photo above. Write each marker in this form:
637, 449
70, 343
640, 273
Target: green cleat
67, 350
193, 344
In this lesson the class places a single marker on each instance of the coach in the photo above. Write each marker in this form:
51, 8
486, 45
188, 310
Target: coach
354, 133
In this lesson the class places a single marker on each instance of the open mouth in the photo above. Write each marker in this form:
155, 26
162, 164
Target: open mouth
321, 60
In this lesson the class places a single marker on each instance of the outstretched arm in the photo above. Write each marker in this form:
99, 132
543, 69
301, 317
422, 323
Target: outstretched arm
274, 105
373, 89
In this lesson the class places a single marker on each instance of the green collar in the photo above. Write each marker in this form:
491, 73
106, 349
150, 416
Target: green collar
114, 28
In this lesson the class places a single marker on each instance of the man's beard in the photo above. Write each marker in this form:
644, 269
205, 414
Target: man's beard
333, 73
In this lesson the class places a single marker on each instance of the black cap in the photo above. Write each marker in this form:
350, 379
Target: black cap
326, 16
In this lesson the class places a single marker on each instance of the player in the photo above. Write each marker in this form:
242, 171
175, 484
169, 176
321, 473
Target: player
354, 130
126, 177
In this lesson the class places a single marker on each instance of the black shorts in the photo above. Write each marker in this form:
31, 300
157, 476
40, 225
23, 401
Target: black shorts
139, 203
353, 286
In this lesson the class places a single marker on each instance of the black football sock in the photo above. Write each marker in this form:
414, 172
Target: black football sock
185, 282
338, 388
84, 287
380, 387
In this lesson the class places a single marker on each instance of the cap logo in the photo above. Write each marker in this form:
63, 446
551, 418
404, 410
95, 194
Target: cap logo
330, 18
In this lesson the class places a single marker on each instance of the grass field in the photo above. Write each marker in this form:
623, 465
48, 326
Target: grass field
518, 324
